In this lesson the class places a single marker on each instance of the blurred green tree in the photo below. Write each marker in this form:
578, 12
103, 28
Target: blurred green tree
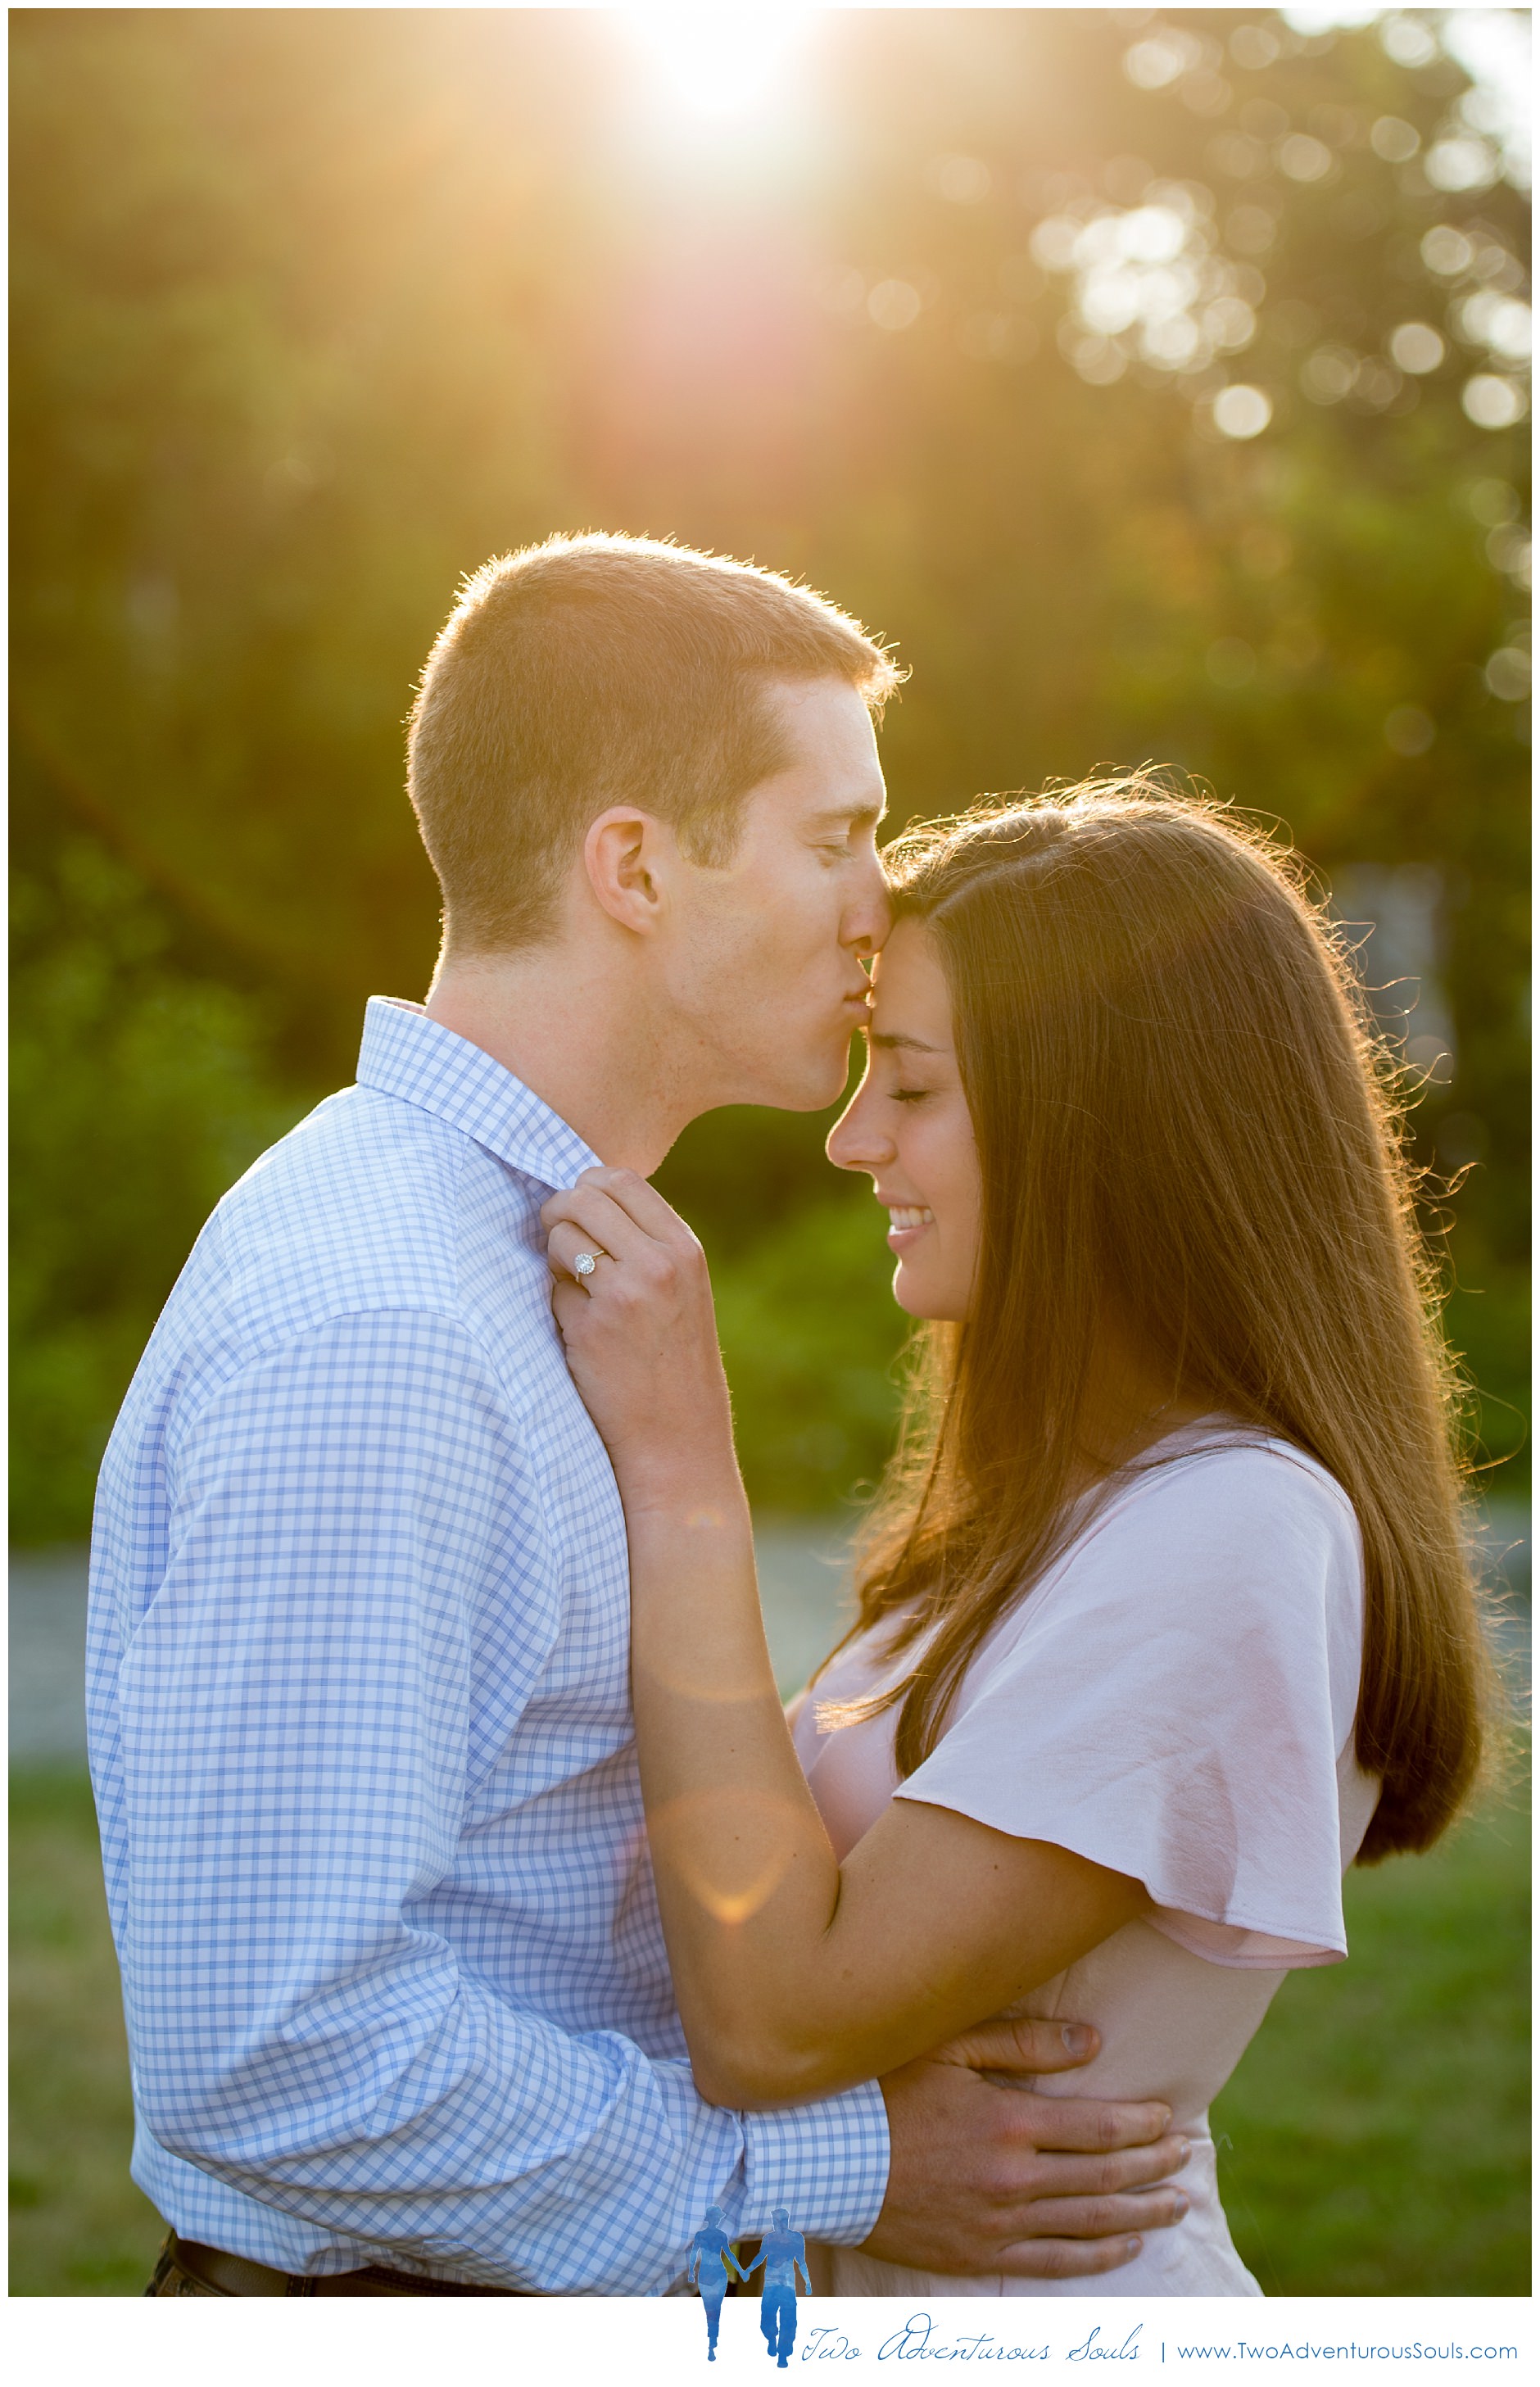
1156, 377
139, 1092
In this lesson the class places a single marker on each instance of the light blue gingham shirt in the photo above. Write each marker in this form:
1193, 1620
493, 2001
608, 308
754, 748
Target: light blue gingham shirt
361, 1740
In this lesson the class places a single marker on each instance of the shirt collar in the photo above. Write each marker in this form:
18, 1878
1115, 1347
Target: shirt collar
405, 1054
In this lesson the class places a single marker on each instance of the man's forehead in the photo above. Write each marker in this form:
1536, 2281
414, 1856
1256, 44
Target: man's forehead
861, 805
830, 780
823, 718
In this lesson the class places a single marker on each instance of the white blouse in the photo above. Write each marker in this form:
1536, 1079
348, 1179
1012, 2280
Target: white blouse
1175, 1700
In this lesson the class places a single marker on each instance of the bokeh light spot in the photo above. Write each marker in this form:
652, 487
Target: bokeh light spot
1493, 402
1490, 320
1329, 374
1407, 41
893, 306
1507, 675
1253, 46
1241, 411
1304, 158
1493, 502
1161, 57
1417, 347
1461, 163
1394, 139
1447, 251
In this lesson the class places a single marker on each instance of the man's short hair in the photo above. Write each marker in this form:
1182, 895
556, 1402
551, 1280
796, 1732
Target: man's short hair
600, 670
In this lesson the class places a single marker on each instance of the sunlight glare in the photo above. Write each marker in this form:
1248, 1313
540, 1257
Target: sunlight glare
720, 64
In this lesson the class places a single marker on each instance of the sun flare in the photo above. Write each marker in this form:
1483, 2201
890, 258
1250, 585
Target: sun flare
719, 64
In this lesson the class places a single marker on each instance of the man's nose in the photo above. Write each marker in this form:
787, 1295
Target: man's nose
868, 920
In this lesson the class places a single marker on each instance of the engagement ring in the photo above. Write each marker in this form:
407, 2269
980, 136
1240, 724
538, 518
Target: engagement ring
584, 1264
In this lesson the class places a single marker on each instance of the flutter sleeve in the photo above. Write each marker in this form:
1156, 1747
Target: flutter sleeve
1176, 1702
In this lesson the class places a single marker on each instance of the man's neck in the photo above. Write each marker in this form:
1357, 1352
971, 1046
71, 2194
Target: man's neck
590, 1049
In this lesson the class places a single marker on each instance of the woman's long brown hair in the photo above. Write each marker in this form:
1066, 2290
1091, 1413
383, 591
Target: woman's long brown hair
1181, 1110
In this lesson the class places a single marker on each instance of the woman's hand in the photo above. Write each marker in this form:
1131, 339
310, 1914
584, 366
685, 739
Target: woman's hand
641, 1334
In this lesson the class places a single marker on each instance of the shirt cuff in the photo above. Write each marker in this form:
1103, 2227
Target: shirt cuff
826, 2163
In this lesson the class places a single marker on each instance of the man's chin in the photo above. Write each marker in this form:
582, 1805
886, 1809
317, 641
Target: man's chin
816, 1085
816, 1089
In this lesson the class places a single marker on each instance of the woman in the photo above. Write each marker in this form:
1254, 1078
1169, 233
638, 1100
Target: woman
1164, 1617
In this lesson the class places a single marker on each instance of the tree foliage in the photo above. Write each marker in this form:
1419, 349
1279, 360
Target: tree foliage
314, 311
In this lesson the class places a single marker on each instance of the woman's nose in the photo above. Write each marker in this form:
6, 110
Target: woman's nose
855, 1141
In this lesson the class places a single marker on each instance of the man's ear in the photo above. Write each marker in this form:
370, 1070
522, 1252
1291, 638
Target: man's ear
621, 855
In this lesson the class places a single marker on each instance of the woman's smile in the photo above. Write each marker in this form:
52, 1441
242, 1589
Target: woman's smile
908, 1221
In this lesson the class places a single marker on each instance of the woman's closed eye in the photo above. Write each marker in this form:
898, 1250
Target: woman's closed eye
912, 1094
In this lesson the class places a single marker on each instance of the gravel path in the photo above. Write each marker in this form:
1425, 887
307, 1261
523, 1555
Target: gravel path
802, 1562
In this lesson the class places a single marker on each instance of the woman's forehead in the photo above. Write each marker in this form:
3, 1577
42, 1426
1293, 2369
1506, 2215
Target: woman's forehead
911, 1002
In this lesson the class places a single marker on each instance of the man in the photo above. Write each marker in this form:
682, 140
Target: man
397, 1994
782, 2252
711, 2257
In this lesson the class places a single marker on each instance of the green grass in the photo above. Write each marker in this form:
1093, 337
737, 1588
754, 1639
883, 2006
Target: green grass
1377, 2125
1378, 2130
78, 2226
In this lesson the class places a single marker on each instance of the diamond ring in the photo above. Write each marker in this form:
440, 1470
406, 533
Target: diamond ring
584, 1264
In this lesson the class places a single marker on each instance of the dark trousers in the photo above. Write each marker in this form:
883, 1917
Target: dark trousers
187, 2269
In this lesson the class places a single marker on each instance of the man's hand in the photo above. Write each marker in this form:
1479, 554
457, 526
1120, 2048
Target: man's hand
987, 2178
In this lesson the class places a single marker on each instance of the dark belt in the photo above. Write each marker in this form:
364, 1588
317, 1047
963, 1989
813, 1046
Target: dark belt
235, 2275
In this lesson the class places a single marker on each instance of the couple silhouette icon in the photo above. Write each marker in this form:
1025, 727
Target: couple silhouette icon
782, 2252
